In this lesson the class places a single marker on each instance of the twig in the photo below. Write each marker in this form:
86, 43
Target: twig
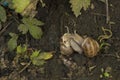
24, 67
3, 30
107, 12
98, 14
14, 73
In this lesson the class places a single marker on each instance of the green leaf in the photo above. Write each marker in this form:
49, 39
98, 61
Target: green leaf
32, 21
35, 54
31, 25
36, 22
86, 4
21, 49
2, 14
77, 5
46, 55
26, 20
12, 43
36, 60
20, 5
106, 74
35, 31
23, 28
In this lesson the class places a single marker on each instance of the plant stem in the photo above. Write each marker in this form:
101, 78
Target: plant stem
107, 13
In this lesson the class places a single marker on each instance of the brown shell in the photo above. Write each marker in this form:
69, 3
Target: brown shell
66, 50
65, 47
90, 47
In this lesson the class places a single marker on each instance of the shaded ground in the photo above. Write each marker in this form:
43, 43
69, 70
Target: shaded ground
56, 15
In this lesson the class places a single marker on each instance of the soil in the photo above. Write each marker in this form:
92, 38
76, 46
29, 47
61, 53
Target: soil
56, 15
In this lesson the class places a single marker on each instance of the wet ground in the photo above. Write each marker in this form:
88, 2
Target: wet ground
56, 15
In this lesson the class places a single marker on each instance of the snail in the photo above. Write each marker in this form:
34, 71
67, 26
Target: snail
74, 42
90, 47
70, 43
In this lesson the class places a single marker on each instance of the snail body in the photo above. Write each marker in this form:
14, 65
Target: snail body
77, 38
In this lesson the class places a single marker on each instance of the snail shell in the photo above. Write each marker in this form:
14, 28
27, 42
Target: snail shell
66, 50
65, 47
90, 47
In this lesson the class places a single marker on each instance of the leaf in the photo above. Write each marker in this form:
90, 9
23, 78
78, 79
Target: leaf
35, 54
35, 31
85, 4
32, 21
21, 49
106, 74
12, 43
22, 28
46, 55
77, 5
31, 25
2, 14
36, 22
36, 60
20, 5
